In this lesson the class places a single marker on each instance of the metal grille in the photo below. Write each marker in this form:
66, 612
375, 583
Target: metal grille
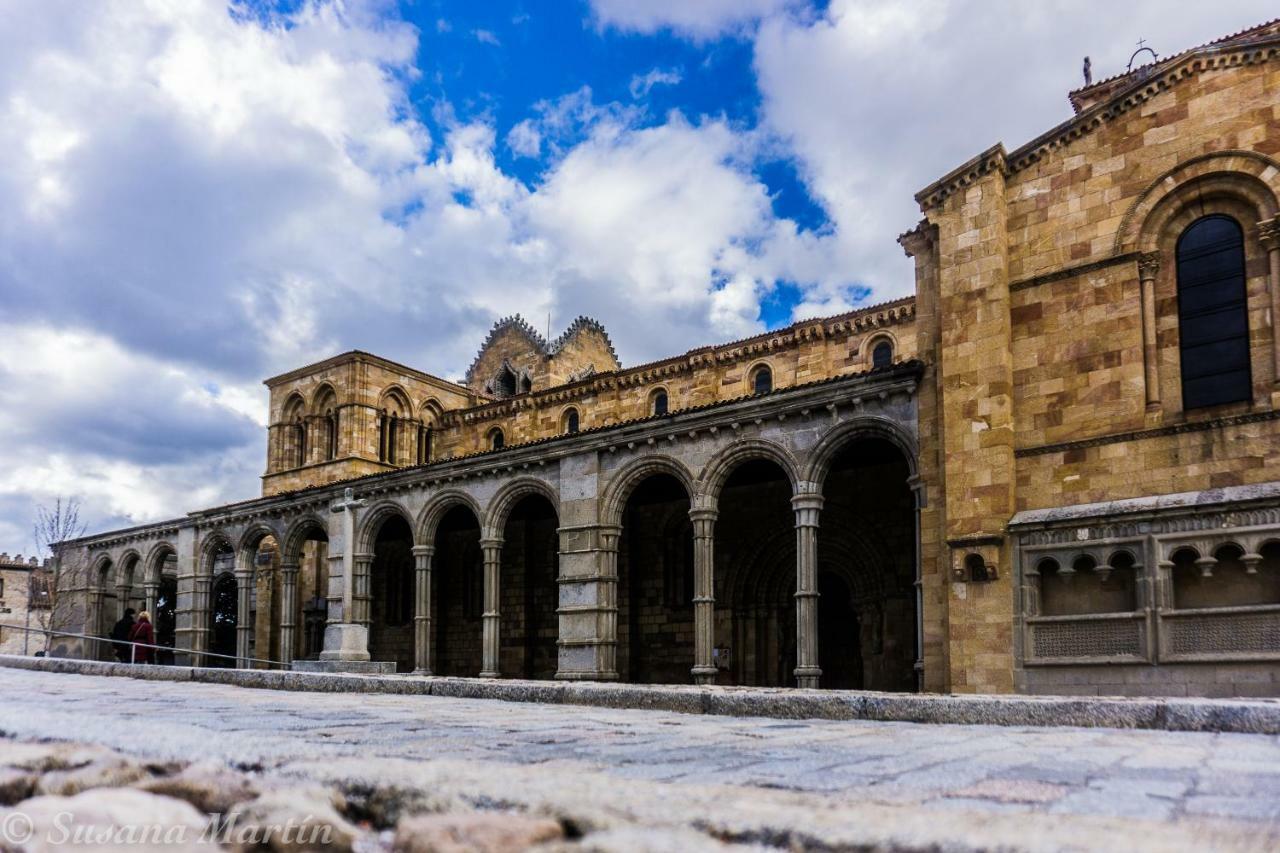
1110, 638
1225, 633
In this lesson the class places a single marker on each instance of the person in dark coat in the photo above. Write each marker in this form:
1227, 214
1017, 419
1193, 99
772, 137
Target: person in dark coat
120, 635
143, 633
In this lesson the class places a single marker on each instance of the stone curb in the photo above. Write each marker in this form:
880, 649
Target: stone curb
1251, 716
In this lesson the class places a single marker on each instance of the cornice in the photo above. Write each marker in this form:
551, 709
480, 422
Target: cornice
1156, 432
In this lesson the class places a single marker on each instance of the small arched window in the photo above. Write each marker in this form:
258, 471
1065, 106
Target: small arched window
976, 569
300, 431
1213, 316
882, 354
660, 402
331, 435
496, 439
762, 380
571, 421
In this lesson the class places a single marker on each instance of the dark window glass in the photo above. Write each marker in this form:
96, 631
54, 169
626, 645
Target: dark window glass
882, 355
763, 381
571, 421
1213, 318
496, 440
660, 403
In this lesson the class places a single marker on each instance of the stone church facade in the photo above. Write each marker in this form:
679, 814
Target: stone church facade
1056, 468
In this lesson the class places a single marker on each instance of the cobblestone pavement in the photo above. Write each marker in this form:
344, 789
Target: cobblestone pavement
1159, 778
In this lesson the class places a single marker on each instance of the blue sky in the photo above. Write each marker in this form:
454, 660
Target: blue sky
198, 195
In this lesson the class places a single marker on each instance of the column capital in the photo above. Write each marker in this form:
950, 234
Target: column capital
287, 568
702, 513
807, 500
423, 550
1148, 265
362, 555
491, 543
1269, 233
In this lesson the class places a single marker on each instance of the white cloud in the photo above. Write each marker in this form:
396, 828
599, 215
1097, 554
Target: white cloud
486, 37
699, 19
642, 84
524, 139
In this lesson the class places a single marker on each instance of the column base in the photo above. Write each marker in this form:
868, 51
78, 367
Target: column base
345, 641
422, 672
807, 677
704, 674
489, 674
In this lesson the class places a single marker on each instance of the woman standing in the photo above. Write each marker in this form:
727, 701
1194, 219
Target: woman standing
143, 633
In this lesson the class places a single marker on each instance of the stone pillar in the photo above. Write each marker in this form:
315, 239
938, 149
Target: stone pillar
124, 592
201, 618
704, 593
288, 610
361, 597
492, 549
588, 605
244, 601
150, 595
422, 555
1148, 269
1269, 236
807, 506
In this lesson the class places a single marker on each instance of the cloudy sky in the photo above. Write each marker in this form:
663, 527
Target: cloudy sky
195, 195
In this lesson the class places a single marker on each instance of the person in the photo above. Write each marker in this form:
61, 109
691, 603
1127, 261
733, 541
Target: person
120, 635
143, 633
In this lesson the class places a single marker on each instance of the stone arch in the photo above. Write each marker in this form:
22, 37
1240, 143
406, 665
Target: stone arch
625, 480
129, 562
210, 545
294, 407
297, 534
818, 462
872, 340
430, 411
154, 566
324, 398
100, 567
500, 506
438, 507
373, 520
717, 471
252, 538
755, 368
1245, 175
395, 395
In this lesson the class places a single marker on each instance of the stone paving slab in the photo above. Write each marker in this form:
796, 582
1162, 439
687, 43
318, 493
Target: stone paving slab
1260, 716
758, 782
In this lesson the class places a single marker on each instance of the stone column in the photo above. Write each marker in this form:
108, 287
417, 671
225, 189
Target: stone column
588, 603
288, 610
124, 592
492, 549
150, 595
201, 617
1269, 236
807, 506
704, 593
361, 597
1148, 269
244, 601
422, 555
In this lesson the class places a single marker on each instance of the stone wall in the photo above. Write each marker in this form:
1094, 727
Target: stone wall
19, 578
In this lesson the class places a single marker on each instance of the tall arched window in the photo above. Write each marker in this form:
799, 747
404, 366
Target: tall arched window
496, 439
659, 402
571, 421
1213, 316
331, 434
300, 432
762, 380
882, 354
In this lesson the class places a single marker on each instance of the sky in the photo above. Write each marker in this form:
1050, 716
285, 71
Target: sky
196, 195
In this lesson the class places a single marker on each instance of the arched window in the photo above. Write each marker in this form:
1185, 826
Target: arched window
300, 433
331, 435
976, 569
1213, 317
659, 402
882, 354
762, 380
571, 421
496, 439
505, 383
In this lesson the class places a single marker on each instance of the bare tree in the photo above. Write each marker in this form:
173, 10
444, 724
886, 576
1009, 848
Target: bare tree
46, 606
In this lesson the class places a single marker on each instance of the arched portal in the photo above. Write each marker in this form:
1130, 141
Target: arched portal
165, 616
225, 619
755, 624
457, 594
391, 591
306, 546
528, 588
866, 555
655, 583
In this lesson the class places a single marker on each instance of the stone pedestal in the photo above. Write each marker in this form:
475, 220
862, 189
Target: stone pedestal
345, 641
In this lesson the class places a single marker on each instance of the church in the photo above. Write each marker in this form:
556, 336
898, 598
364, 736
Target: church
1055, 469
